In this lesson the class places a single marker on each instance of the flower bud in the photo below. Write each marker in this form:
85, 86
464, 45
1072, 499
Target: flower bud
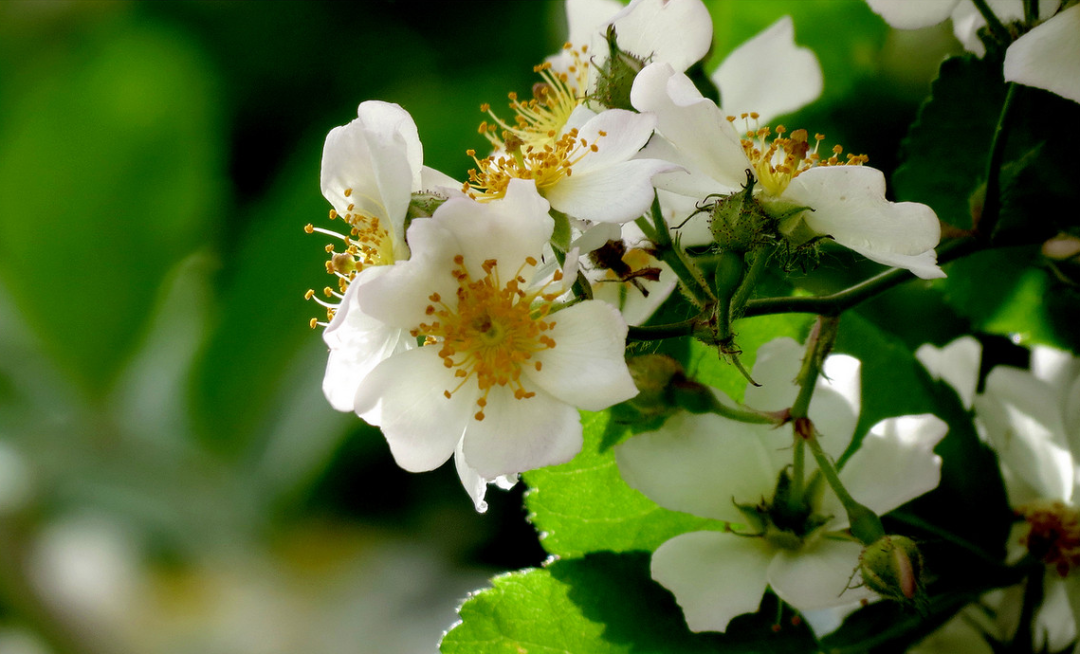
738, 222
893, 567
616, 75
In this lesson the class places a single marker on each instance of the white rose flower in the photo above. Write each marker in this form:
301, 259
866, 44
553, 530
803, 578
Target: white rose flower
846, 200
707, 465
503, 371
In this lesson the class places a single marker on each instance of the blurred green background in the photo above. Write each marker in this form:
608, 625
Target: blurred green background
171, 478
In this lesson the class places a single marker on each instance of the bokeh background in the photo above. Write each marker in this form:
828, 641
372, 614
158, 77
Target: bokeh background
171, 478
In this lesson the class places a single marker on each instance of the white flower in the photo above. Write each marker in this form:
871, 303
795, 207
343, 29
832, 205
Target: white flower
370, 169
1031, 419
500, 377
588, 170
706, 465
846, 202
1047, 57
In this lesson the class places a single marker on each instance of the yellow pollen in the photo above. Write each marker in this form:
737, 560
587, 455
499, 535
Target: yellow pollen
492, 331
783, 158
1053, 534
529, 146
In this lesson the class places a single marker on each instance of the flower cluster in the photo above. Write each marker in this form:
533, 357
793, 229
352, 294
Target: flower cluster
475, 317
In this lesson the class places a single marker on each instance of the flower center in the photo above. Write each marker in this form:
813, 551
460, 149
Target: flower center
1053, 534
492, 331
778, 161
533, 145
368, 243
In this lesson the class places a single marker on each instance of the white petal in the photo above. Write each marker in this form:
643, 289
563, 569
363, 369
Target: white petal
616, 194
693, 124
1048, 57
389, 118
624, 133
475, 485
818, 576
714, 576
837, 398
677, 32
825, 621
1024, 425
1055, 624
895, 463
957, 363
508, 230
587, 367
401, 295
849, 205
378, 158
701, 464
688, 179
585, 18
769, 74
912, 14
357, 344
434, 181
519, 435
421, 425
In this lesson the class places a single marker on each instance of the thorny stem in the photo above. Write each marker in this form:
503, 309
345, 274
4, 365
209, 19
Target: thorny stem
817, 346
837, 303
660, 332
691, 279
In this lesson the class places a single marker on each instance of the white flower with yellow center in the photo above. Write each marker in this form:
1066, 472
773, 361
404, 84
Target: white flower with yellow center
846, 200
1047, 57
503, 370
711, 466
587, 169
370, 169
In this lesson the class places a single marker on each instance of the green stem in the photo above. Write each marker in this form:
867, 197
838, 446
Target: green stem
837, 303
661, 332
1033, 597
817, 346
1031, 11
985, 226
757, 266
996, 27
690, 277
741, 413
865, 524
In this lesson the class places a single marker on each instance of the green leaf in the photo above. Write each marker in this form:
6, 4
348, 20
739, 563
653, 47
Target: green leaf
109, 175
706, 366
1002, 292
602, 604
946, 149
585, 506
968, 502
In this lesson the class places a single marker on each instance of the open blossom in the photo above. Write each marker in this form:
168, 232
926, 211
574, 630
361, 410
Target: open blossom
370, 169
1032, 420
844, 200
1047, 57
711, 466
503, 370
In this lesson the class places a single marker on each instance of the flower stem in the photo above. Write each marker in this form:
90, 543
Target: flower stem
987, 221
661, 332
670, 254
996, 27
1031, 11
865, 524
817, 347
837, 303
